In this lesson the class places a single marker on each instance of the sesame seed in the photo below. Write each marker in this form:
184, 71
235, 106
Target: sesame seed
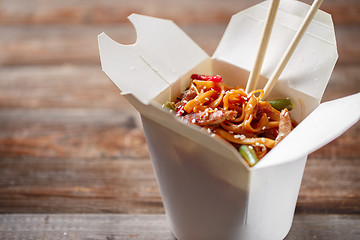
257, 144
193, 121
251, 147
209, 130
242, 137
263, 139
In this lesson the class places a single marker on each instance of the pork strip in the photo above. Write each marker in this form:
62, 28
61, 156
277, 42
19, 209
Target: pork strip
206, 118
284, 125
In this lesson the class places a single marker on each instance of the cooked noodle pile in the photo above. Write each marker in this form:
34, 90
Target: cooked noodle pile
236, 116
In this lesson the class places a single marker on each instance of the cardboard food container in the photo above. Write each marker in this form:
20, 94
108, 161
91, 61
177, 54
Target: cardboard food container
208, 190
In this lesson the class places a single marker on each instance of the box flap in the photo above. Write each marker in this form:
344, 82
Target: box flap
161, 54
128, 70
312, 63
324, 124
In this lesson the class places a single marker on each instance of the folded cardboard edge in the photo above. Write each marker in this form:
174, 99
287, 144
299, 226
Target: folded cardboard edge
324, 124
170, 56
313, 61
152, 63
128, 72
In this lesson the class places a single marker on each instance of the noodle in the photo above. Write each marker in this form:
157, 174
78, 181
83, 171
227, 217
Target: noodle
232, 114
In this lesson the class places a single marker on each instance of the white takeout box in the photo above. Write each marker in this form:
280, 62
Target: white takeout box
208, 190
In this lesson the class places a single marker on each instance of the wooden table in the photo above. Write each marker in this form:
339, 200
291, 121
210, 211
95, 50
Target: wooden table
73, 158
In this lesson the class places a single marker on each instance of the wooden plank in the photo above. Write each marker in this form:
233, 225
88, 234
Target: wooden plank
119, 226
324, 227
128, 185
330, 186
186, 11
61, 185
344, 81
56, 44
57, 86
71, 133
20, 45
84, 226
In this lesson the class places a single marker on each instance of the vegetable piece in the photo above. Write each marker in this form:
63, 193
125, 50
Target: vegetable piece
248, 152
215, 78
170, 105
180, 111
280, 104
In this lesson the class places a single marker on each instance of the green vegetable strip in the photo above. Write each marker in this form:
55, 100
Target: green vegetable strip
249, 154
280, 104
170, 105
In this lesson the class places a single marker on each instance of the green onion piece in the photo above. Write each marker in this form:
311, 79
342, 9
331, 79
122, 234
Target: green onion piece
249, 154
280, 104
169, 105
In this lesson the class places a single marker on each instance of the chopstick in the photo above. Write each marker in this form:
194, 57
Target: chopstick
290, 50
269, 23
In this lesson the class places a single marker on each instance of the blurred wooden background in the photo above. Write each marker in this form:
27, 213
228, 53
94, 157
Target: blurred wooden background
69, 143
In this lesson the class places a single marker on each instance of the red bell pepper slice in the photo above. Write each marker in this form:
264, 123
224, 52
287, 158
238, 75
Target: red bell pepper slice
180, 111
215, 78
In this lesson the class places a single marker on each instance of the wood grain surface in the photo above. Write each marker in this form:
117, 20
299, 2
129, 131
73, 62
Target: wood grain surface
116, 11
70, 143
152, 226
